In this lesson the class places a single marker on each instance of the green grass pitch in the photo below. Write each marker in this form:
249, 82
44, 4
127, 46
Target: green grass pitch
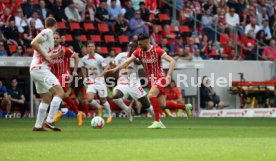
197, 139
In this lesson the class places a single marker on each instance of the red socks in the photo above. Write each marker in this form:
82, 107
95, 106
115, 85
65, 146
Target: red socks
86, 108
71, 104
156, 108
172, 105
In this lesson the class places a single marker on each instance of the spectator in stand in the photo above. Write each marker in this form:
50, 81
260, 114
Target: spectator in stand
121, 26
178, 43
241, 7
72, 12
223, 6
5, 18
129, 10
249, 46
168, 34
187, 14
232, 20
30, 33
196, 56
59, 12
4, 99
227, 51
191, 44
145, 12
137, 25
208, 97
19, 51
13, 5
164, 45
3, 51
156, 36
269, 52
211, 6
2, 37
11, 33
17, 97
233, 4
206, 46
102, 15
184, 54
263, 15
118, 2
111, 56
81, 5
262, 41
29, 51
21, 21
42, 11
78, 44
38, 22
252, 26
90, 11
266, 28
2, 7
208, 25
29, 7
114, 11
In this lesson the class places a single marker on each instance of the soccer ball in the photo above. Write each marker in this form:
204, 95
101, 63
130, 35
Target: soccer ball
97, 122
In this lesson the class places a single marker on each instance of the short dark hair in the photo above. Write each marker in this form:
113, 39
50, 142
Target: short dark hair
50, 22
134, 42
14, 78
90, 42
57, 33
143, 36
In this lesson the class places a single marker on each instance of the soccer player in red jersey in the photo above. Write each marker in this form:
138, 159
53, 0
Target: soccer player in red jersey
61, 69
151, 59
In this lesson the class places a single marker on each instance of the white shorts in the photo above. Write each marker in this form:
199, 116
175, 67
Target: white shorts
135, 91
99, 88
44, 79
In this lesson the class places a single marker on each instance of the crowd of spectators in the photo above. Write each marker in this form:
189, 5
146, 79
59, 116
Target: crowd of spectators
218, 29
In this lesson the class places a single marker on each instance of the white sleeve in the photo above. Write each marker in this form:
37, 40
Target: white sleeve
117, 60
44, 35
103, 62
82, 64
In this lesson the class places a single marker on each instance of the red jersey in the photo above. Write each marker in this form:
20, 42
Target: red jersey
172, 94
61, 65
151, 61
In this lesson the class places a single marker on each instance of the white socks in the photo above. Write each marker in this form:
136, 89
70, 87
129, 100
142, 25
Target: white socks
107, 108
119, 102
41, 114
150, 110
95, 104
53, 109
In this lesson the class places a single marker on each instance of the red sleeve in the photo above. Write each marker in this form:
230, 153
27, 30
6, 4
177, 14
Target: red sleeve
160, 51
136, 53
178, 92
68, 52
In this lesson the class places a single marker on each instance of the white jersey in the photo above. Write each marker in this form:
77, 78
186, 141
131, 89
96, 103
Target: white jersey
95, 66
128, 74
46, 37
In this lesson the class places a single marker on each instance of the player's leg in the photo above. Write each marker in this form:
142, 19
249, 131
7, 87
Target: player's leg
186, 107
7, 104
42, 110
118, 95
91, 93
146, 104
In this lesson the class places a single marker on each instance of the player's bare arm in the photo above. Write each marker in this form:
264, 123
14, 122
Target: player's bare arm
60, 53
123, 65
84, 72
36, 45
76, 63
171, 66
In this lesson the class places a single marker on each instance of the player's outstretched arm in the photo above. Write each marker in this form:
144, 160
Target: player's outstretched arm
76, 63
84, 72
123, 65
36, 45
171, 67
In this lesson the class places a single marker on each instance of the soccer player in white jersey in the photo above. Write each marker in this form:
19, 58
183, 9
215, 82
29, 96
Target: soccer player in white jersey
92, 69
47, 85
129, 83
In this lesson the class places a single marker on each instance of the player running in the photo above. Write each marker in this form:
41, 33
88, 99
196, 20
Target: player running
151, 58
61, 69
128, 84
45, 81
92, 69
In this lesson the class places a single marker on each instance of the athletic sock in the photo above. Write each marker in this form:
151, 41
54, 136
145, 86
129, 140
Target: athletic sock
86, 109
94, 103
119, 102
107, 108
53, 108
71, 104
150, 110
41, 114
156, 108
172, 105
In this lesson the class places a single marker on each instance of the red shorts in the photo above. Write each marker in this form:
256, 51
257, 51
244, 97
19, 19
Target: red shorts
160, 83
65, 85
